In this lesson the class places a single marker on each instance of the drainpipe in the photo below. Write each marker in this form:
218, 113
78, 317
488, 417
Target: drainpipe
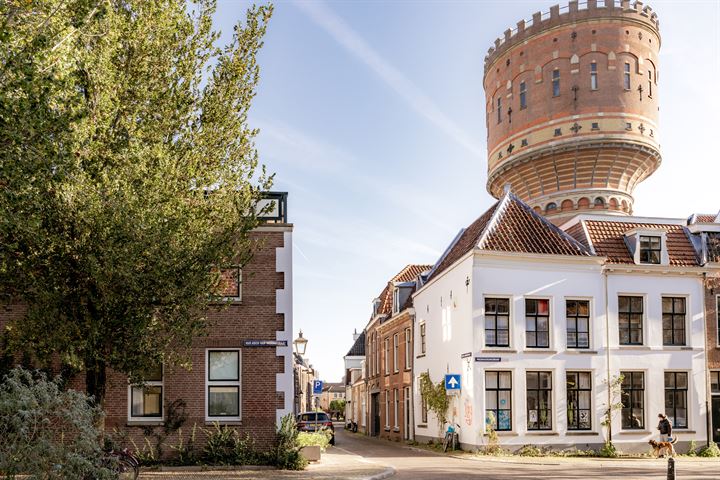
708, 412
607, 355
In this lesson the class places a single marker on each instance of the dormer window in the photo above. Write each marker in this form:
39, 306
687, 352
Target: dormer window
396, 300
376, 306
650, 249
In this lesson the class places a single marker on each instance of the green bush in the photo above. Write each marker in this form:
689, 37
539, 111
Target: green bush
608, 450
287, 451
320, 439
46, 432
530, 451
710, 450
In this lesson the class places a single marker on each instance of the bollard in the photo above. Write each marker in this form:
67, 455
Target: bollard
671, 469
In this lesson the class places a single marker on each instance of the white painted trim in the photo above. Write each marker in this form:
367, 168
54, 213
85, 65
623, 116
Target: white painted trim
511, 313
155, 383
285, 382
591, 322
223, 383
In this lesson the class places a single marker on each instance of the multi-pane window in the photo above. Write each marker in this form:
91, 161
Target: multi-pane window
556, 82
579, 394
650, 249
498, 400
146, 400
673, 318
715, 381
577, 313
396, 412
499, 110
230, 283
537, 323
408, 348
626, 76
423, 408
223, 383
396, 352
422, 338
523, 95
633, 400
497, 322
630, 316
539, 400
396, 300
676, 391
386, 354
593, 76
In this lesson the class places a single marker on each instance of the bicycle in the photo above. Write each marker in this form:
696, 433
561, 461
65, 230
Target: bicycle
451, 437
124, 463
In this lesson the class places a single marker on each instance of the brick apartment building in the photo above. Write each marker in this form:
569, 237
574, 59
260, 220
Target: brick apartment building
239, 375
389, 357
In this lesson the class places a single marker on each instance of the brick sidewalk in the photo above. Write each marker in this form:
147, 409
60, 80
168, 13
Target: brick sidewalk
336, 463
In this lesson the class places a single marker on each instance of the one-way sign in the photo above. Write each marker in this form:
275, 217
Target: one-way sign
452, 382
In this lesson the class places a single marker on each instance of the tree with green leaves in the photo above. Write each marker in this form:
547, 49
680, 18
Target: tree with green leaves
128, 176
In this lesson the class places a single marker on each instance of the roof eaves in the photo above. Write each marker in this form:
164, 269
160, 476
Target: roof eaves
445, 253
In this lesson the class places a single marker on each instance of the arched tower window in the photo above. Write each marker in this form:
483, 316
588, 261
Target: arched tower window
649, 83
552, 206
599, 202
556, 82
626, 81
499, 109
523, 95
593, 76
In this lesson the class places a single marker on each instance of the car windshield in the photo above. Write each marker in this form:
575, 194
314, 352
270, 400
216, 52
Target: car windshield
313, 417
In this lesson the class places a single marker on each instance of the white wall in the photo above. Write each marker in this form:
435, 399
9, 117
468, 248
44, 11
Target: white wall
284, 305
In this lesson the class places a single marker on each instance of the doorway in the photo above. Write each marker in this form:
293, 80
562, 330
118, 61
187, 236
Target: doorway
716, 418
375, 414
406, 393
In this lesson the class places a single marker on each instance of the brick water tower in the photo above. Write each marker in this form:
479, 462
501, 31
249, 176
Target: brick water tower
572, 108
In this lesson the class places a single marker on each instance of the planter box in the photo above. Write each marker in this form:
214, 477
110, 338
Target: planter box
311, 453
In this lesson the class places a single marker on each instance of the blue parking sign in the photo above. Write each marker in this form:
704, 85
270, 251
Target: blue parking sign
452, 382
317, 387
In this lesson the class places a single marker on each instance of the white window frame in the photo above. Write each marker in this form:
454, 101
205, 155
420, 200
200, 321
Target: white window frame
717, 320
511, 307
688, 393
664, 255
686, 324
591, 306
396, 400
422, 328
396, 352
551, 321
222, 383
232, 298
593, 392
396, 300
408, 349
645, 325
645, 426
149, 383
386, 359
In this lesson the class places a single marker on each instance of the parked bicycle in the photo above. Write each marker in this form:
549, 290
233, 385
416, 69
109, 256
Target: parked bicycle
452, 438
124, 463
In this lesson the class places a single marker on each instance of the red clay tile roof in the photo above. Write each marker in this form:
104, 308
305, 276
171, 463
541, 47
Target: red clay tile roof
703, 218
608, 240
511, 226
407, 274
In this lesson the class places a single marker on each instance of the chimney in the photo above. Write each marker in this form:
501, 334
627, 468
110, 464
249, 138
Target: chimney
355, 335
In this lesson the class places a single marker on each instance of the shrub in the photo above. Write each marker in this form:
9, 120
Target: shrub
608, 450
692, 450
287, 452
530, 451
220, 445
320, 439
710, 450
46, 432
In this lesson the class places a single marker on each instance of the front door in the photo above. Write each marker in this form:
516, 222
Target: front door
375, 413
716, 418
407, 413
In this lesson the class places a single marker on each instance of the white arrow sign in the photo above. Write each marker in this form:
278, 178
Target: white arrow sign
452, 382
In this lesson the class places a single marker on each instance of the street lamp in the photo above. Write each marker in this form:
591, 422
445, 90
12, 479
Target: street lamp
300, 344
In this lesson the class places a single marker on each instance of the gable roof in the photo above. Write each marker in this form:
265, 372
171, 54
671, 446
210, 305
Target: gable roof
407, 274
358, 348
703, 218
511, 226
607, 238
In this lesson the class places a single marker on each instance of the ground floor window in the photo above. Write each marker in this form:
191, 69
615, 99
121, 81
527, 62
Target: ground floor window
579, 399
633, 400
676, 391
498, 400
387, 409
396, 417
223, 383
539, 400
146, 400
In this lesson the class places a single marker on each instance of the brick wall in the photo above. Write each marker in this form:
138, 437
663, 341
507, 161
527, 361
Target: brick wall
712, 291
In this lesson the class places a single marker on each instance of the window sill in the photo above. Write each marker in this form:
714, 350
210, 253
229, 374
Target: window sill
541, 434
387, 429
499, 350
539, 350
396, 429
136, 422
421, 425
581, 351
220, 421
505, 433
577, 433
634, 432
680, 348
633, 347
683, 430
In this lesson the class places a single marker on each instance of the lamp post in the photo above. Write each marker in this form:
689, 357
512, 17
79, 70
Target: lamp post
300, 344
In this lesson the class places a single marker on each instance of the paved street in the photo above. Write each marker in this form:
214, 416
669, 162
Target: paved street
421, 465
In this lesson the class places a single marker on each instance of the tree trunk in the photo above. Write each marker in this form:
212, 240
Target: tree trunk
95, 380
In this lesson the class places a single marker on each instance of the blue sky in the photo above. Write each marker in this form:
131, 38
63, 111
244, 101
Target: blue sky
371, 116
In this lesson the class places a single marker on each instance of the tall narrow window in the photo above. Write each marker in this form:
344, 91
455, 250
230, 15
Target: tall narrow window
650, 249
422, 338
223, 383
396, 412
523, 95
650, 83
593, 76
387, 409
497, 322
499, 110
396, 352
630, 316
423, 407
146, 400
539, 400
676, 390
386, 354
498, 400
579, 394
537, 323
673, 317
627, 76
408, 349
715, 382
577, 313
633, 400
556, 82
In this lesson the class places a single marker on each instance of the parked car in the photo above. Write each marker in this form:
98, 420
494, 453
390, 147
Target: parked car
315, 422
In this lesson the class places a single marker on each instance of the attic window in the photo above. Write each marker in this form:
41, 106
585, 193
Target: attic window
396, 300
650, 249
376, 306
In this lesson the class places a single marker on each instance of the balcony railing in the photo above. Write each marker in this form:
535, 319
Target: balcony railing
273, 208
